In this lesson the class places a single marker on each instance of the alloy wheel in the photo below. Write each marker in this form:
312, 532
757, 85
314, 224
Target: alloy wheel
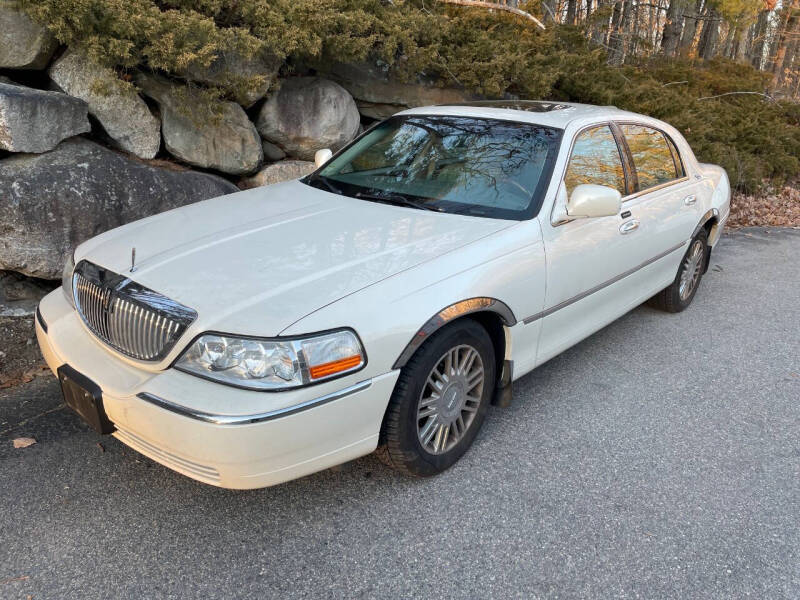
692, 267
450, 399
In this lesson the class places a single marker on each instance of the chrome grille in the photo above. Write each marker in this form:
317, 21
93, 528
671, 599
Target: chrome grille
127, 316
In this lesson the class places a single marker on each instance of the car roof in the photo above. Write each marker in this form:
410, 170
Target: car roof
553, 114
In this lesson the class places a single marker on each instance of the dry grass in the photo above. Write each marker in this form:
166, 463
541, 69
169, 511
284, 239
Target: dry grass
771, 208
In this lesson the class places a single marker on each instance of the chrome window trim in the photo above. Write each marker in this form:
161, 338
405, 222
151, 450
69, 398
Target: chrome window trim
220, 419
602, 286
656, 188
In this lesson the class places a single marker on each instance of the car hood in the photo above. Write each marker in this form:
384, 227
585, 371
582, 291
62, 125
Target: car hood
255, 262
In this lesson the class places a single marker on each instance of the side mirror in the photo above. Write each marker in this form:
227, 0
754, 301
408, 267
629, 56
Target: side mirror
589, 200
322, 156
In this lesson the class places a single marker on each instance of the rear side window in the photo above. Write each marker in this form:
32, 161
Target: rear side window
652, 156
595, 159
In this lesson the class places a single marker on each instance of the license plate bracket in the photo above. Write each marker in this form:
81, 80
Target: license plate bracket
84, 396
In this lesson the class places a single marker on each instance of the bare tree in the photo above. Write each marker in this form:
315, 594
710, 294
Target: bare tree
790, 29
673, 27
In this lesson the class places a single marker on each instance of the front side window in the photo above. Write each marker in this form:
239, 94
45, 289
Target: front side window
465, 165
595, 159
652, 157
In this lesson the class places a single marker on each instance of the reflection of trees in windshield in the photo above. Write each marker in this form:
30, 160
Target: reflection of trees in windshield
467, 161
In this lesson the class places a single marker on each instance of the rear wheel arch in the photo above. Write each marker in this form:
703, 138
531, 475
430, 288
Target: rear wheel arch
708, 221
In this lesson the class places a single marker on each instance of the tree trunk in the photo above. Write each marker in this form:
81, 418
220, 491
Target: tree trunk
787, 35
740, 46
673, 26
617, 44
709, 35
730, 41
690, 29
571, 11
548, 10
616, 20
599, 27
756, 53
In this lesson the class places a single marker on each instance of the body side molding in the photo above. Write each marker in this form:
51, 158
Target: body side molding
449, 313
605, 284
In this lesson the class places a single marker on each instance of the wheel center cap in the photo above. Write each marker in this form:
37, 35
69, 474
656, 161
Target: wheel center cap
452, 401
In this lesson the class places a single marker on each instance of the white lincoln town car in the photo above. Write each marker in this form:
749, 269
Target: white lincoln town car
387, 299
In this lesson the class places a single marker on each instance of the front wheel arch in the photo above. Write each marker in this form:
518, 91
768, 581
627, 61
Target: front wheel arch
495, 315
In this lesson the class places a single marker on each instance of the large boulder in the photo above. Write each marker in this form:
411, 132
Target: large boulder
52, 202
36, 121
378, 96
224, 140
23, 43
120, 110
307, 114
19, 297
272, 152
284, 170
231, 68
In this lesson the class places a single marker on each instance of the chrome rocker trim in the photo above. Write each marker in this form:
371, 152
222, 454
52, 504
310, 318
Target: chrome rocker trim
215, 419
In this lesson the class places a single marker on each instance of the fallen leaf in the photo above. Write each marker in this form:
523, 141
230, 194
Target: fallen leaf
102, 448
23, 442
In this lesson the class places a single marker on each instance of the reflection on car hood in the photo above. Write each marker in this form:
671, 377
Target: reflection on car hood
257, 261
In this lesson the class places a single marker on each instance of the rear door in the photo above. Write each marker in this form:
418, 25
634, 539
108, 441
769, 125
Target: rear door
665, 204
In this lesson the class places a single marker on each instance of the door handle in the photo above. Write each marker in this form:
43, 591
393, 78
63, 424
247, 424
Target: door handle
690, 200
629, 226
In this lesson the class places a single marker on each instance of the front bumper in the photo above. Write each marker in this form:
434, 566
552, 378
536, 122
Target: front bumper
214, 433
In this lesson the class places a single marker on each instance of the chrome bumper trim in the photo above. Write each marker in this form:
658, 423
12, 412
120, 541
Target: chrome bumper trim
256, 418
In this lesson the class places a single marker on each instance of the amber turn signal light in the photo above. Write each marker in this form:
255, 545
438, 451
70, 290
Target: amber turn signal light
337, 366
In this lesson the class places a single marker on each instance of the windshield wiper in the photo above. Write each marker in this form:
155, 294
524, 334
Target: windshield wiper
324, 180
397, 200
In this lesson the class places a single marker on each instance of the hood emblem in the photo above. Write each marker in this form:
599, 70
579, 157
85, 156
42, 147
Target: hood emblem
133, 259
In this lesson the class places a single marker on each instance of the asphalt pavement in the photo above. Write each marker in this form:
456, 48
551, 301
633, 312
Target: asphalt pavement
660, 458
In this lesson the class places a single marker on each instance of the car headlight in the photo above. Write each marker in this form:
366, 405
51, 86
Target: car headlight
66, 278
275, 364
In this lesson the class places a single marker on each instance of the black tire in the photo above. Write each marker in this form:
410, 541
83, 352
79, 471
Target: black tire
401, 446
670, 299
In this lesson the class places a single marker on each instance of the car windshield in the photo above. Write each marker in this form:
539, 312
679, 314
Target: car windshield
465, 165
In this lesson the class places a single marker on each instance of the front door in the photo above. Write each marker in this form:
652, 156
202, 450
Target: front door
587, 259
